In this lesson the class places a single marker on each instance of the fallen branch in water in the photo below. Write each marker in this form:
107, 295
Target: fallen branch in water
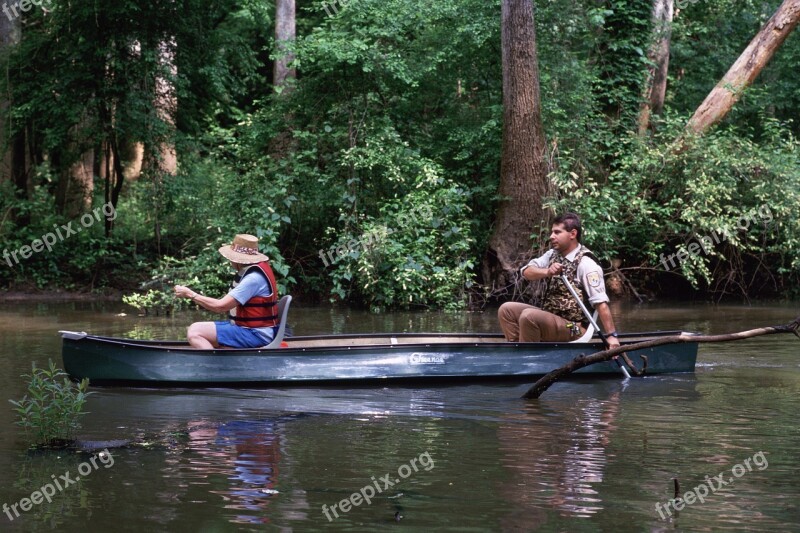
581, 361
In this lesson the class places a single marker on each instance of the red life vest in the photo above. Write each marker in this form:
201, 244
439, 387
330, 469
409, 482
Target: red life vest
258, 311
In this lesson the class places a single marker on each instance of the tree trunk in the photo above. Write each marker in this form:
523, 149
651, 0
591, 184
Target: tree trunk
745, 70
166, 103
160, 161
283, 76
75, 167
132, 155
76, 186
284, 33
656, 85
523, 168
12, 146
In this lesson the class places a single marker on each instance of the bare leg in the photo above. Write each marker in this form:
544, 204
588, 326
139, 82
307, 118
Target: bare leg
203, 335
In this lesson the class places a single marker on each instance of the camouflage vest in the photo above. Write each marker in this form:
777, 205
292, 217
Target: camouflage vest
557, 298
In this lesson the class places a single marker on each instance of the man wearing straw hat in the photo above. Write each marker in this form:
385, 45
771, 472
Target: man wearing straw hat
252, 301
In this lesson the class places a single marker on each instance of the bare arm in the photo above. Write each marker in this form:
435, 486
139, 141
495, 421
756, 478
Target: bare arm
534, 273
212, 304
607, 323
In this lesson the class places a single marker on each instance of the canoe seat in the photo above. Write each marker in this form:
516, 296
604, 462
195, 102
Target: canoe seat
587, 337
283, 311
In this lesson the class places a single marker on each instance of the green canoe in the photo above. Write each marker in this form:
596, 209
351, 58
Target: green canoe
347, 358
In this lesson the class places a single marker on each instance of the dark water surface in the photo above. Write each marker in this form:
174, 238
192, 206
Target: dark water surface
587, 456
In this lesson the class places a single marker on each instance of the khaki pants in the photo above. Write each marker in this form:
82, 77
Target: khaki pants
526, 323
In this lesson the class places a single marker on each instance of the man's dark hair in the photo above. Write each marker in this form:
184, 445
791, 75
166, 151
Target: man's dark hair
571, 222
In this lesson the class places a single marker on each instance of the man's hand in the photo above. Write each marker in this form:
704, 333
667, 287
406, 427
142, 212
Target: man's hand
183, 292
555, 270
613, 342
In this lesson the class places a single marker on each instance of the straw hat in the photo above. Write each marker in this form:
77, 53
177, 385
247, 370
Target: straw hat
244, 250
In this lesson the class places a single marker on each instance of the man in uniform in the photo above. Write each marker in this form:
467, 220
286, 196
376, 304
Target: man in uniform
560, 319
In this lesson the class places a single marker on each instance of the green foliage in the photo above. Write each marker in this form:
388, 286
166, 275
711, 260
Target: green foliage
153, 301
82, 253
661, 199
622, 58
414, 253
356, 154
396, 111
50, 409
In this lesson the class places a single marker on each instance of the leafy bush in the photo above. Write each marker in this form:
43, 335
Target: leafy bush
50, 410
415, 253
665, 195
153, 301
79, 255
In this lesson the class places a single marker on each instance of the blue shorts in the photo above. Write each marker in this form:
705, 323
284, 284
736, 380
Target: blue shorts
235, 336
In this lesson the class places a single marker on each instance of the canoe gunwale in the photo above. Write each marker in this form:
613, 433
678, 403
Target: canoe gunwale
182, 346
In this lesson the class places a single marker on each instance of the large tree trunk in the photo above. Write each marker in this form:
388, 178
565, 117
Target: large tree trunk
12, 165
284, 33
166, 103
161, 161
745, 70
523, 170
656, 85
76, 186
283, 76
132, 155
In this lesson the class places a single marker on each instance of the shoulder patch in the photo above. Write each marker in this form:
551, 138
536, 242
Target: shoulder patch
594, 279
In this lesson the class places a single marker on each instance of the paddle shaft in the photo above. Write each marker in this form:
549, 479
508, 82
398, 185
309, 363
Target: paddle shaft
591, 320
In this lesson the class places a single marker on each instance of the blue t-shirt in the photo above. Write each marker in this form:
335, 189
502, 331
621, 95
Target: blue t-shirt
254, 284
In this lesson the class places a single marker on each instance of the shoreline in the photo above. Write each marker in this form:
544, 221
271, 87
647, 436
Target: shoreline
59, 296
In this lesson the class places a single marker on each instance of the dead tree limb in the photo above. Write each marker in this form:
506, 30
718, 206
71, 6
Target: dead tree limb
747, 68
581, 361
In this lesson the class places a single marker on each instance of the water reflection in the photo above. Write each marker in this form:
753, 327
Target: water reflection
557, 462
236, 466
584, 457
38, 469
248, 454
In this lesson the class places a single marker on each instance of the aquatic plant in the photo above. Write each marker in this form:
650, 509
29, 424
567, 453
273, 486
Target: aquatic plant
50, 409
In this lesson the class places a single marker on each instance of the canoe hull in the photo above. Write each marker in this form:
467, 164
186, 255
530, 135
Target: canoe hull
106, 360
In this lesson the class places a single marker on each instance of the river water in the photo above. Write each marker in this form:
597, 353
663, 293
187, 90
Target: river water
587, 456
